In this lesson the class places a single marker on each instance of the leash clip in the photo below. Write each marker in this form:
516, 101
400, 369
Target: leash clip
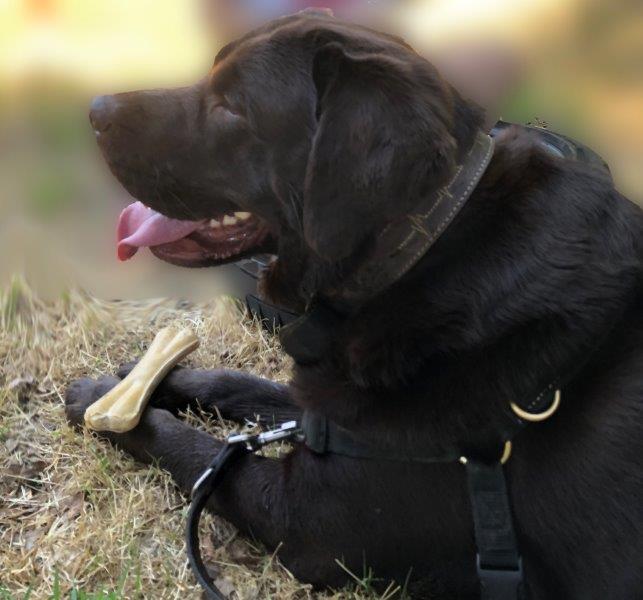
244, 442
254, 441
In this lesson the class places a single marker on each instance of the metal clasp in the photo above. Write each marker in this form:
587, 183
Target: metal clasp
254, 441
251, 442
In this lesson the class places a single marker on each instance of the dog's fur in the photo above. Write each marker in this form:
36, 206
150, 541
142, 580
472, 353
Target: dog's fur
335, 131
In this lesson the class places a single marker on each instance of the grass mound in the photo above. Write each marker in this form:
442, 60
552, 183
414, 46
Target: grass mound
81, 520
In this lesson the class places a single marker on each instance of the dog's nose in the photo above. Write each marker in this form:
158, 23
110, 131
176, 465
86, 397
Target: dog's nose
101, 113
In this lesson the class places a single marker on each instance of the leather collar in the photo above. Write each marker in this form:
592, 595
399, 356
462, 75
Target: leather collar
402, 243
398, 248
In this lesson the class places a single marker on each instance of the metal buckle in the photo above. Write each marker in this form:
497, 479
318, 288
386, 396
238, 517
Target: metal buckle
252, 442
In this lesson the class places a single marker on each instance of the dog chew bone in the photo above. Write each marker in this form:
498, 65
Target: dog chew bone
121, 408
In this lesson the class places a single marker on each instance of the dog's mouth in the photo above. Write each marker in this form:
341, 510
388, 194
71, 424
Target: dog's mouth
204, 243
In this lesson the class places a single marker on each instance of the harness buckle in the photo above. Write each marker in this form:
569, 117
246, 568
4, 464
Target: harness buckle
498, 582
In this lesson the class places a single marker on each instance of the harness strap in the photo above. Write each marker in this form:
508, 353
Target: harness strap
499, 563
323, 436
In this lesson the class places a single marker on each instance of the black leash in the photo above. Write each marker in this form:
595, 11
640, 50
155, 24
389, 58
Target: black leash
236, 446
200, 493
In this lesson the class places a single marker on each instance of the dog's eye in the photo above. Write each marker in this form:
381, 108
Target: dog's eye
221, 103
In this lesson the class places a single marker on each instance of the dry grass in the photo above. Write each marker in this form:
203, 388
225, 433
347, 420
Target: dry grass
78, 518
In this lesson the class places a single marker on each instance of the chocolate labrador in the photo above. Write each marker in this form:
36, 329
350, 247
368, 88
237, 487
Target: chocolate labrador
312, 138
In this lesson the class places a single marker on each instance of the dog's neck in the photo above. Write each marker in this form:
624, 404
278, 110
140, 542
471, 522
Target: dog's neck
490, 293
396, 250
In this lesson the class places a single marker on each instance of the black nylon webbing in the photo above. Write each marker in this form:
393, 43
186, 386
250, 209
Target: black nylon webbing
499, 563
324, 436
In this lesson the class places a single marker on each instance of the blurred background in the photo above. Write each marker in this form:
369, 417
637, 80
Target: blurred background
575, 66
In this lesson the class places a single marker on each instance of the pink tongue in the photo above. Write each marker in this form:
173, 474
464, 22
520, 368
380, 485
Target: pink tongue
140, 226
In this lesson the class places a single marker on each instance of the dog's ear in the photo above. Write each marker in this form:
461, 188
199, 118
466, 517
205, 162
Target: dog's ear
385, 137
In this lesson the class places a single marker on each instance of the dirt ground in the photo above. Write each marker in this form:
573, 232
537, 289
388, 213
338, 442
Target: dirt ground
81, 520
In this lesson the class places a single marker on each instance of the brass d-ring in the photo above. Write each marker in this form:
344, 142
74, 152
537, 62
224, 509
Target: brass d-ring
537, 417
506, 454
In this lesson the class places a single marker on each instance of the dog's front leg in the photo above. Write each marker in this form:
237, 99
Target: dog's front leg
235, 395
159, 436
268, 498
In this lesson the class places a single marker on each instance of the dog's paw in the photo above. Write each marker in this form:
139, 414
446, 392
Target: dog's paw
82, 393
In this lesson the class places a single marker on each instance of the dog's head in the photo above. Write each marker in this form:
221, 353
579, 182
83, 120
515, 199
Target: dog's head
305, 139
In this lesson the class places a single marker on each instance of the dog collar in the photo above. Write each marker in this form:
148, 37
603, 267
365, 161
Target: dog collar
400, 245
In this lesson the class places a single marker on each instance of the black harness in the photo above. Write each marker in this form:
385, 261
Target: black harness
499, 564
307, 339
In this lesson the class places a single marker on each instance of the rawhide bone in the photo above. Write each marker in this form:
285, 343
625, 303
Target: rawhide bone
121, 408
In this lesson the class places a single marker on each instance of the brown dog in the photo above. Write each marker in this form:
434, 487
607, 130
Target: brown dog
326, 133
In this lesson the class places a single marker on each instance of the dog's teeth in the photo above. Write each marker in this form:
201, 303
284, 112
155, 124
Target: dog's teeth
228, 220
242, 216
214, 223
